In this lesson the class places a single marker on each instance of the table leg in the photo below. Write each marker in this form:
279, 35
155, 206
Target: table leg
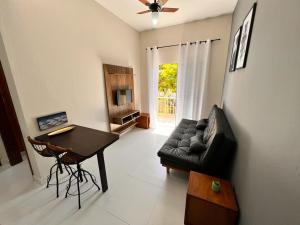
59, 166
102, 171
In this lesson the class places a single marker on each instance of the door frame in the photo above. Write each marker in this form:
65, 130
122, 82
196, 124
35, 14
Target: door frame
10, 130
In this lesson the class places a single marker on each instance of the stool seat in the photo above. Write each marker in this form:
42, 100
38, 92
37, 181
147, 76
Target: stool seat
71, 158
46, 153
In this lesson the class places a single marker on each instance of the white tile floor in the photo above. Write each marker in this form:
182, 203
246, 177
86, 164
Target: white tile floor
140, 192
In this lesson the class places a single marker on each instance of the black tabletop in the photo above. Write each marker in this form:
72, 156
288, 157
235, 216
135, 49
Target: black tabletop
83, 141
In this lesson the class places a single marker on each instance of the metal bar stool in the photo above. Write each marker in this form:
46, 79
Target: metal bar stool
69, 158
42, 149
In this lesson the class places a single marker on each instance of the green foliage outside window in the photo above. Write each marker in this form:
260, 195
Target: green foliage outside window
167, 79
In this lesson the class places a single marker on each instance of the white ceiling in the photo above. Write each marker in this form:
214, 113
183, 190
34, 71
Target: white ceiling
189, 10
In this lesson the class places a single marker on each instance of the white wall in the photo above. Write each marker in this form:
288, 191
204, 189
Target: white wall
262, 105
56, 50
16, 101
217, 27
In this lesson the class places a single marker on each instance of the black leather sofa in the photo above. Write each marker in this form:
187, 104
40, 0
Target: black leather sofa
218, 142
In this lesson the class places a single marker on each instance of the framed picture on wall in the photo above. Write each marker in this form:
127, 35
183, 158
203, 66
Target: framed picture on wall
245, 38
235, 49
52, 120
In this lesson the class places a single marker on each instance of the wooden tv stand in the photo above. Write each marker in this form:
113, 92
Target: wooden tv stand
126, 117
127, 120
121, 117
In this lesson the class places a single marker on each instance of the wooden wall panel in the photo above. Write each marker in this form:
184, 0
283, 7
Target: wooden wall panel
117, 77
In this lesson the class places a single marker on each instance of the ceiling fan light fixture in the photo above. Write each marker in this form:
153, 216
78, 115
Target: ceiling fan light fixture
155, 16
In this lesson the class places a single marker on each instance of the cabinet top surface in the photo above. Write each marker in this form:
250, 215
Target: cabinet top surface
200, 187
126, 113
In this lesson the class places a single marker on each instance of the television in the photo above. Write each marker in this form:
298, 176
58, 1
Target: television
123, 96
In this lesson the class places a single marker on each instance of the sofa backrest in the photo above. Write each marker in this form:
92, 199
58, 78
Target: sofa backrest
220, 143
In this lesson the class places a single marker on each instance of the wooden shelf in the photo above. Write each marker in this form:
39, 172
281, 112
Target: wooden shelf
123, 129
126, 117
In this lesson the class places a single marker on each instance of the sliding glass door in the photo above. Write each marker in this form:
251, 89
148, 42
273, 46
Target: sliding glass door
167, 94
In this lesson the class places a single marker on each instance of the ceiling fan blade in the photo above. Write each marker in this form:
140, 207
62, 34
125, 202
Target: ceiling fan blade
143, 12
145, 2
169, 9
162, 2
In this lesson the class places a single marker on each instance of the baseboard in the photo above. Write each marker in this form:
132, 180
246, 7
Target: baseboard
39, 180
4, 161
24, 155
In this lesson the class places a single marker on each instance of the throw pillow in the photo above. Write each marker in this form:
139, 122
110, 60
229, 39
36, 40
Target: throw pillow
201, 124
196, 145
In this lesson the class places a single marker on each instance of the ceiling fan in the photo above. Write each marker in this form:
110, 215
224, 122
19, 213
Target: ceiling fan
155, 8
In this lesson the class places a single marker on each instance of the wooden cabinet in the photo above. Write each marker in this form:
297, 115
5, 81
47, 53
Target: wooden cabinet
143, 121
126, 117
126, 120
205, 207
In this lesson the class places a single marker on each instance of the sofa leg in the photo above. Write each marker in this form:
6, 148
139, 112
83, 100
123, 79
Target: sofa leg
168, 170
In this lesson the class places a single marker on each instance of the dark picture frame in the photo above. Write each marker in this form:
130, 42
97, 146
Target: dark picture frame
235, 49
245, 38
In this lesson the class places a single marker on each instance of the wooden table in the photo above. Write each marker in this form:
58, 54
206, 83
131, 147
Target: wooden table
205, 207
85, 142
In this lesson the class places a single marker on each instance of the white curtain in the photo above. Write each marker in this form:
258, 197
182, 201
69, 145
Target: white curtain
152, 73
192, 79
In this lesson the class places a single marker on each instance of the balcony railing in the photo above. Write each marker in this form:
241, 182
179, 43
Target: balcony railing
167, 105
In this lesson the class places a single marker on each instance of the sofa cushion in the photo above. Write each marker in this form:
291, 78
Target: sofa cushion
176, 148
196, 144
208, 131
220, 146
